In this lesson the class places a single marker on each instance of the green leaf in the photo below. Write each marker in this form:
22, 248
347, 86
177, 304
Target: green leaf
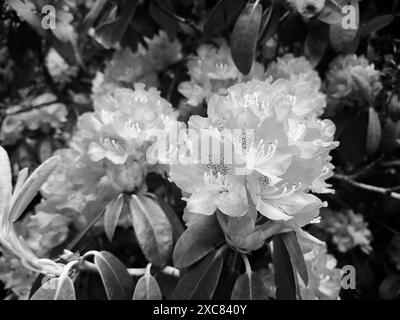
111, 216
374, 132
376, 24
92, 15
27, 11
197, 241
153, 229
285, 280
221, 16
111, 32
176, 223
61, 288
316, 42
116, 279
244, 37
5, 173
31, 187
249, 286
389, 289
271, 22
296, 254
147, 288
200, 281
159, 14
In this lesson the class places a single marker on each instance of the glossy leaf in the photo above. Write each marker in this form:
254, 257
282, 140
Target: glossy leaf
28, 12
158, 11
61, 288
147, 288
316, 42
197, 241
116, 279
176, 223
244, 37
111, 32
31, 187
296, 254
153, 229
92, 15
389, 289
377, 23
374, 132
111, 216
221, 16
200, 281
249, 286
285, 280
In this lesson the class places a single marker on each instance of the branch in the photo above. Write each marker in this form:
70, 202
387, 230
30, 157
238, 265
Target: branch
385, 191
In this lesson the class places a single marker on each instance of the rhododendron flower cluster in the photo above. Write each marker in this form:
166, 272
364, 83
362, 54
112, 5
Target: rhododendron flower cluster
352, 80
126, 68
52, 114
213, 71
272, 150
348, 230
107, 155
324, 278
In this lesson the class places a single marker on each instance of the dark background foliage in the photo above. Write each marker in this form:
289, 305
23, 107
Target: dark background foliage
23, 72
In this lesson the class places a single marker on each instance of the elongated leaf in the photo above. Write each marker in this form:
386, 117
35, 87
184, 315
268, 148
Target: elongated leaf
285, 280
112, 214
271, 23
28, 12
244, 37
200, 281
5, 172
147, 288
197, 241
376, 24
374, 133
163, 19
389, 289
92, 15
153, 229
116, 279
110, 33
221, 16
176, 223
56, 289
316, 42
249, 287
296, 254
31, 187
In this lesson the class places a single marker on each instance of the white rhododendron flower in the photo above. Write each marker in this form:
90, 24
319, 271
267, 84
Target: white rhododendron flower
213, 71
280, 152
